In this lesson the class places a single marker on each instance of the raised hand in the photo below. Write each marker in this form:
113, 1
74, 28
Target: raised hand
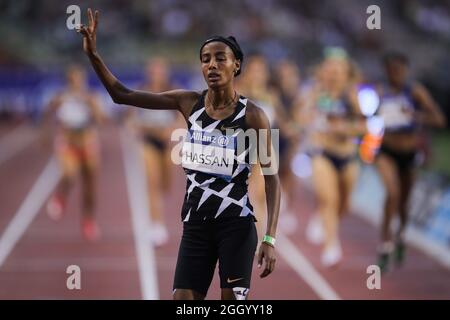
181, 100
89, 32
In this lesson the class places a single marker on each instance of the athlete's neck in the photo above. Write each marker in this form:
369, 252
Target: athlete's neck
220, 97
395, 86
76, 89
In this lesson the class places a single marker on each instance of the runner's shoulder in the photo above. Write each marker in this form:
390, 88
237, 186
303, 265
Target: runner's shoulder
255, 116
186, 99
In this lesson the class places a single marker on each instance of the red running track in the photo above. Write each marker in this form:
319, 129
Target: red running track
35, 268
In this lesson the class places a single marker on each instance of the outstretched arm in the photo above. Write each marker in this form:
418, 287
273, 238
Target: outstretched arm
181, 100
257, 120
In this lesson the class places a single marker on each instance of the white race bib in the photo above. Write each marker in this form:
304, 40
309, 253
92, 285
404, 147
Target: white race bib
73, 113
396, 113
209, 153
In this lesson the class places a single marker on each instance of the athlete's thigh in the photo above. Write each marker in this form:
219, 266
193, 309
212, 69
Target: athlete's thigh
389, 174
89, 156
67, 157
152, 162
237, 240
91, 149
325, 180
348, 176
166, 168
197, 258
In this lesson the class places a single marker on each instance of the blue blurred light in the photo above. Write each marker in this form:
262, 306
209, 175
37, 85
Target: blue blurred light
301, 165
368, 100
375, 125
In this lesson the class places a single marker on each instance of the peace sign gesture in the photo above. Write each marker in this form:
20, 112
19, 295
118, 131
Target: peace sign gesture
89, 32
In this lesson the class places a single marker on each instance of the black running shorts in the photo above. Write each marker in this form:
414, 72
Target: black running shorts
231, 241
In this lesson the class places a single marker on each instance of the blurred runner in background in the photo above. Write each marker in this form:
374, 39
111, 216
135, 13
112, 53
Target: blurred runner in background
154, 128
334, 117
77, 111
287, 81
406, 108
255, 85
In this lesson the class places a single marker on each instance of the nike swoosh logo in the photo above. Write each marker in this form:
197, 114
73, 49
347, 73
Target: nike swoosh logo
234, 280
223, 128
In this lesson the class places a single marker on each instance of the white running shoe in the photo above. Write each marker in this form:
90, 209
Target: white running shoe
332, 255
55, 207
314, 230
159, 234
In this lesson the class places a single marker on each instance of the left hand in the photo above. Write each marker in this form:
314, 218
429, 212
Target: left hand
90, 33
267, 253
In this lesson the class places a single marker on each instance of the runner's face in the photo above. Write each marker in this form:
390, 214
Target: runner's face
396, 72
157, 71
218, 64
288, 76
76, 79
335, 71
257, 72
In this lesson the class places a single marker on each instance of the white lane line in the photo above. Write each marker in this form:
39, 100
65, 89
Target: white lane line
30, 207
440, 253
136, 185
305, 269
15, 141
